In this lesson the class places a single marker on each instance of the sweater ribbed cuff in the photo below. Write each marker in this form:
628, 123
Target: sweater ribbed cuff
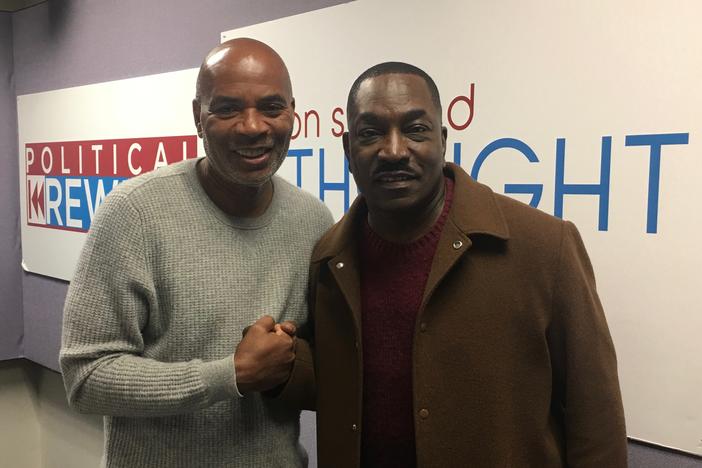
220, 379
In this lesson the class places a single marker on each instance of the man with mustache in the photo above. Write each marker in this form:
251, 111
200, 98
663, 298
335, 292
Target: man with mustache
450, 326
177, 263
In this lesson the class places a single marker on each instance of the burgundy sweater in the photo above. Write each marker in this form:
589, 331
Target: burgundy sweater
393, 277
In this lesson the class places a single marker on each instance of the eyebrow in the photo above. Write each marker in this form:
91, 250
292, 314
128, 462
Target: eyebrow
273, 98
414, 114
372, 117
225, 99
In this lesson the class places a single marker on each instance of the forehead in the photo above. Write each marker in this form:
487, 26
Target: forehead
253, 73
393, 93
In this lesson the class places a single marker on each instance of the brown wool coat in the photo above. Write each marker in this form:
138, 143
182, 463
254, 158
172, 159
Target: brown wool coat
513, 361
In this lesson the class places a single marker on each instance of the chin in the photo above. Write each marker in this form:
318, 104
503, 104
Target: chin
398, 206
253, 181
253, 178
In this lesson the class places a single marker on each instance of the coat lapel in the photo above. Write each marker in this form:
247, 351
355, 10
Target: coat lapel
338, 249
453, 243
345, 269
474, 211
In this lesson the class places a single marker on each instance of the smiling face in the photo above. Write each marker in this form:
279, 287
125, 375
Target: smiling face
396, 144
244, 112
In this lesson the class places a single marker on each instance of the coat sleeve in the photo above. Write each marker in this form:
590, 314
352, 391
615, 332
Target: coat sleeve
300, 391
102, 356
586, 386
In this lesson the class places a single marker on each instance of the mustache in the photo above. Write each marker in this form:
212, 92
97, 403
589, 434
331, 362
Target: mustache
399, 166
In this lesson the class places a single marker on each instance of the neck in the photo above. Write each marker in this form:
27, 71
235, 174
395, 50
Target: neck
407, 226
242, 201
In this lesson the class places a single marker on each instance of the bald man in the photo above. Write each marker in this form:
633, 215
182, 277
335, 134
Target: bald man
177, 263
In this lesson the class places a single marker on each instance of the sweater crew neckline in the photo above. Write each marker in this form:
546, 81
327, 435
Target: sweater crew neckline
258, 222
378, 244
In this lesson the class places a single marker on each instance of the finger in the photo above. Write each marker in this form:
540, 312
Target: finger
266, 322
279, 330
289, 327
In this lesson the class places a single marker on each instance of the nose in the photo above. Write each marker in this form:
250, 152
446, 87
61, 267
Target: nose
250, 124
394, 146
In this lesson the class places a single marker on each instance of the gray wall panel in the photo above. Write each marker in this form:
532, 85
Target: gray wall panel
43, 312
76, 42
73, 42
10, 270
646, 456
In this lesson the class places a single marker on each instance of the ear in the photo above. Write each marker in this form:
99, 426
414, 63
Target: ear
196, 117
444, 134
347, 152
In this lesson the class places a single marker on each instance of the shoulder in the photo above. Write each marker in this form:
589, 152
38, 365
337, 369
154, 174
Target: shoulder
158, 180
342, 233
301, 207
478, 210
153, 188
543, 240
528, 234
295, 196
128, 202
524, 218
536, 232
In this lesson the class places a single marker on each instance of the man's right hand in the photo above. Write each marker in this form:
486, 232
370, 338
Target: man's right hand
264, 358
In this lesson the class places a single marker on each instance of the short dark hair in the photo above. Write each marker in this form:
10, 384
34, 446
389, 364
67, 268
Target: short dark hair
388, 68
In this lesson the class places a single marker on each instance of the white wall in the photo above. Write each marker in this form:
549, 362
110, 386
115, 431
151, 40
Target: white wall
37, 428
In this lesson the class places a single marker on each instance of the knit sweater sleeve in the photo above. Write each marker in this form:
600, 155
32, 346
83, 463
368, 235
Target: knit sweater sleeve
102, 355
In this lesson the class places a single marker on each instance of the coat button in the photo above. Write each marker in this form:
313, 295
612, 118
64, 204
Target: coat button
457, 244
423, 326
340, 265
354, 428
424, 413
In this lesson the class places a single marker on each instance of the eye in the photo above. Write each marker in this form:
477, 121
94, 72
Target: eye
417, 132
367, 133
224, 110
273, 109
417, 128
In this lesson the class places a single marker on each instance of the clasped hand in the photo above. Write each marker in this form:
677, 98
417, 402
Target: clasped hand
265, 355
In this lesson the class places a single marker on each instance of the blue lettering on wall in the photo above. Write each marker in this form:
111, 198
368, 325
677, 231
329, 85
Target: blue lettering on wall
654, 168
71, 202
325, 186
299, 154
601, 189
535, 190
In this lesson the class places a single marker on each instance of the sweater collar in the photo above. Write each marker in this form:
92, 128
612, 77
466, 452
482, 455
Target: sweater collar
474, 211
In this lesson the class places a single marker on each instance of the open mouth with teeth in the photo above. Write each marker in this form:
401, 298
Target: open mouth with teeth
254, 156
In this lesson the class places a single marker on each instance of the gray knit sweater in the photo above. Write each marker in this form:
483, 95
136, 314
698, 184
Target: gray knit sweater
164, 286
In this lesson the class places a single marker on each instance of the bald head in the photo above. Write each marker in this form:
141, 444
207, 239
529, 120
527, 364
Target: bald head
240, 58
244, 112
